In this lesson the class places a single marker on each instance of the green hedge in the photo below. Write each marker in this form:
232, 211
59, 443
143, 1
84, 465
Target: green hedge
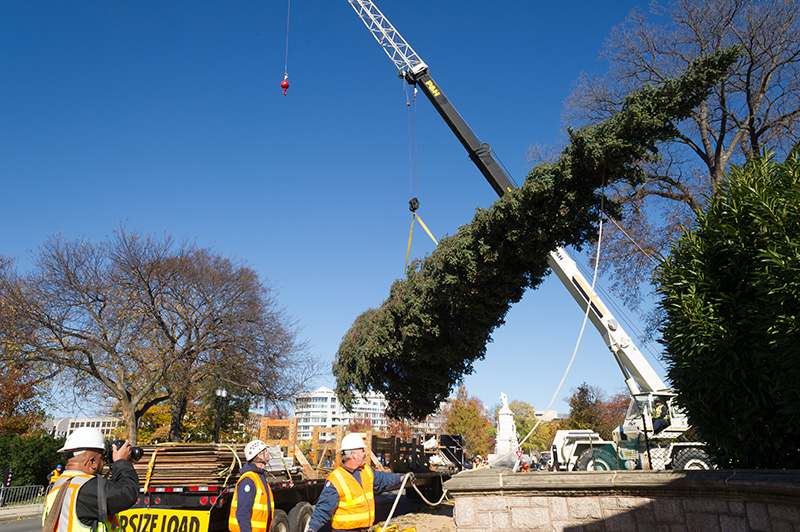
731, 296
30, 457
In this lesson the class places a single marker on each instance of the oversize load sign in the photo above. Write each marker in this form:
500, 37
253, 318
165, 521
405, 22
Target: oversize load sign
158, 520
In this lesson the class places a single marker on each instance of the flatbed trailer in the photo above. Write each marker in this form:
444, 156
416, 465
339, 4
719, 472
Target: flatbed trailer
189, 487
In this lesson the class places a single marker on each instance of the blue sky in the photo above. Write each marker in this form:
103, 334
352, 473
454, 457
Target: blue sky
168, 116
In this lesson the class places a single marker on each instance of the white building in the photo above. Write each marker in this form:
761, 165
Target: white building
321, 408
63, 427
547, 415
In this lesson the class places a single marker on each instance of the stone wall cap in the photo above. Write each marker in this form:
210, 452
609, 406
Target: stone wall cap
779, 482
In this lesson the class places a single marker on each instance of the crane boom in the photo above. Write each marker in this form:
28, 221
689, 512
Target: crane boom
639, 374
415, 71
399, 51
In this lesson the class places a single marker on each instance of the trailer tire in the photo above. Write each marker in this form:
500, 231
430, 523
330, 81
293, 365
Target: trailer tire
596, 460
280, 522
692, 458
299, 516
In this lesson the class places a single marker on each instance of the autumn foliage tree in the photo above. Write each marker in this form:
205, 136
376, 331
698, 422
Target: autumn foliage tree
467, 417
589, 409
21, 412
147, 320
397, 428
525, 420
361, 424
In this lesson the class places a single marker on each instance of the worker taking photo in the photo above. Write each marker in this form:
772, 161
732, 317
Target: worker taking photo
347, 501
83, 501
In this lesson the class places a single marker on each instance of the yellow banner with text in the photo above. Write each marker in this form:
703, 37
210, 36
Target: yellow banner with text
161, 520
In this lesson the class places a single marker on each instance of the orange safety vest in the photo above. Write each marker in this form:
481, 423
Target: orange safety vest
263, 506
356, 501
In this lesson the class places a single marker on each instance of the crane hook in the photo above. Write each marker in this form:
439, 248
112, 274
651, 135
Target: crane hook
285, 84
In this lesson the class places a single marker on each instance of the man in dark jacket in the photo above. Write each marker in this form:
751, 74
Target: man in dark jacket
84, 451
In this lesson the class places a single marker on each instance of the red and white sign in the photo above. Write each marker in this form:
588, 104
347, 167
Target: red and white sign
519, 454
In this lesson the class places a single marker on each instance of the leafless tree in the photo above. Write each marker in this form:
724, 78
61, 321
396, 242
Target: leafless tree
146, 320
756, 108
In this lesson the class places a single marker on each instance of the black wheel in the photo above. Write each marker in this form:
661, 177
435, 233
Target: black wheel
299, 516
692, 458
280, 522
596, 460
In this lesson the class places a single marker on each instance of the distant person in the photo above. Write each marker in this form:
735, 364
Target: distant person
660, 416
77, 487
347, 501
54, 474
253, 506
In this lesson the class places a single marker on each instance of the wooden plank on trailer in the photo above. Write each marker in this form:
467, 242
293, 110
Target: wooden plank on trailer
309, 471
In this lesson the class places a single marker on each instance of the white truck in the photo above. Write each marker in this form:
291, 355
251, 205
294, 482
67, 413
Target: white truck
571, 449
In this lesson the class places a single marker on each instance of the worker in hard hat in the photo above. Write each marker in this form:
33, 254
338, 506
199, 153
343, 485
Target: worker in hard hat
54, 474
79, 485
348, 499
252, 507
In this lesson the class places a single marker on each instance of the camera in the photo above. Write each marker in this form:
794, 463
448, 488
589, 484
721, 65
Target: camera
136, 452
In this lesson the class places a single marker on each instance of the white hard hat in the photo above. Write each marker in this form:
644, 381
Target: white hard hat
252, 449
352, 441
84, 438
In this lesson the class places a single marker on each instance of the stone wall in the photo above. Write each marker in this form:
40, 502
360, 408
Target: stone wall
489, 500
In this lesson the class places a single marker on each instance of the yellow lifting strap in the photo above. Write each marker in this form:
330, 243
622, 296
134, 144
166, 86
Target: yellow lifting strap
415, 216
150, 468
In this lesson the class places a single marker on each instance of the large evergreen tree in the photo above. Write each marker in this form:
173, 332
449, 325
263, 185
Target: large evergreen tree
426, 336
730, 291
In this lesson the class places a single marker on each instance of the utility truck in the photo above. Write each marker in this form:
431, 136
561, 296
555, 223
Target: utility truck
571, 449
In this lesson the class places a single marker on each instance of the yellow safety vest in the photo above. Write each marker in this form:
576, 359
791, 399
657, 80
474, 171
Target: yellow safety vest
263, 506
356, 501
68, 519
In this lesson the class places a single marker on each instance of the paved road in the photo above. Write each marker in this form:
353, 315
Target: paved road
20, 520
31, 524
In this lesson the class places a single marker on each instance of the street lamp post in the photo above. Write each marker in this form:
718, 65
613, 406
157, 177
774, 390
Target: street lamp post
221, 394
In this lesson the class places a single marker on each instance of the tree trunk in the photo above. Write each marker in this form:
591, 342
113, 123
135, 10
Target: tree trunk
131, 421
177, 410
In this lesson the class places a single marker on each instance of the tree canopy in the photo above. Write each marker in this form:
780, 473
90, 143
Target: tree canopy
524, 420
31, 458
590, 409
437, 321
730, 292
149, 320
467, 417
755, 107
21, 412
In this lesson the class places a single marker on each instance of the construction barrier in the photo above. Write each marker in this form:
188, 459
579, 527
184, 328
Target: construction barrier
22, 495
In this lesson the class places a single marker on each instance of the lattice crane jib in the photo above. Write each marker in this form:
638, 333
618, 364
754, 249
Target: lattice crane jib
408, 63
